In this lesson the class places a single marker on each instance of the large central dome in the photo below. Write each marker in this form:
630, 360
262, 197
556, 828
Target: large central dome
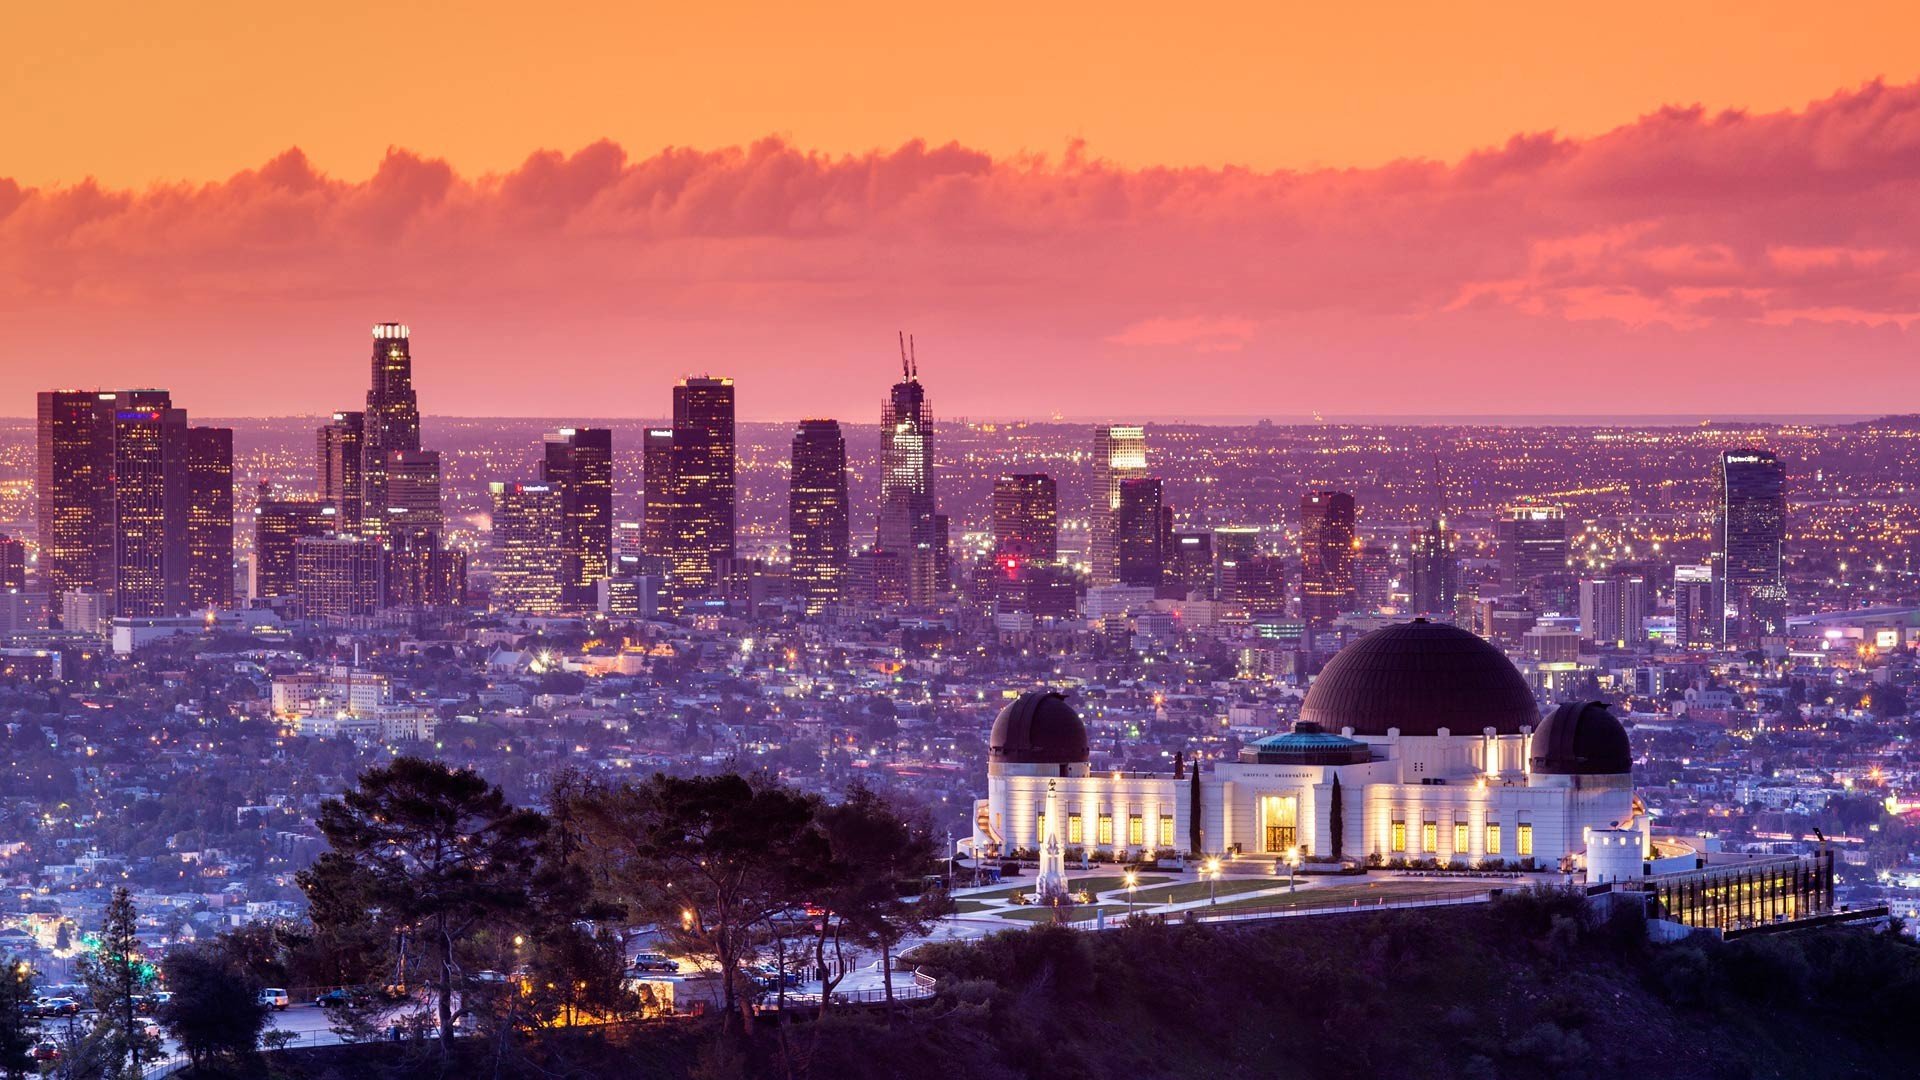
1420, 677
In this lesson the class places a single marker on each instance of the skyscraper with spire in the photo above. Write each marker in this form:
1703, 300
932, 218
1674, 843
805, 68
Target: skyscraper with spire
391, 424
909, 526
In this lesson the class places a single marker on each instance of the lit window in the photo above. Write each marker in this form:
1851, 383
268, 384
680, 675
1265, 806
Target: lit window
1399, 836
1526, 839
1105, 836
1493, 838
1429, 836
1461, 842
1136, 830
1075, 834
1166, 830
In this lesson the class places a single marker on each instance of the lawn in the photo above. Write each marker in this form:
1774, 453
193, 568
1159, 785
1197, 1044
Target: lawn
1074, 914
968, 907
1095, 885
1200, 890
1325, 895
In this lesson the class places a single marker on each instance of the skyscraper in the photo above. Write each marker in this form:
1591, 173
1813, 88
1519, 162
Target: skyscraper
1190, 564
1697, 619
13, 563
528, 541
391, 423
278, 524
1533, 544
150, 493
209, 518
656, 478
817, 514
1326, 555
908, 524
1433, 575
1234, 549
420, 573
700, 534
73, 491
1749, 533
1372, 577
337, 578
413, 495
1119, 454
578, 463
1138, 543
338, 448
1026, 519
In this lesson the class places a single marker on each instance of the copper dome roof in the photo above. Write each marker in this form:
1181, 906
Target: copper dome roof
1581, 739
1420, 677
1038, 728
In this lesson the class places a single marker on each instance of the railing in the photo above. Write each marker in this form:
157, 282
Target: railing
1239, 912
919, 987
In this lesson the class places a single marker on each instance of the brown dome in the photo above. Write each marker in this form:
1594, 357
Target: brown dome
1420, 677
1038, 728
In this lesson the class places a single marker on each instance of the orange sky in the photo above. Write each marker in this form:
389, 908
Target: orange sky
131, 92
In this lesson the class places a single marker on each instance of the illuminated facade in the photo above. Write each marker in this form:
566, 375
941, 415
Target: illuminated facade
817, 529
1433, 573
578, 463
656, 478
413, 494
1533, 544
279, 524
337, 452
528, 541
1138, 532
1026, 519
1326, 555
73, 488
1749, 531
209, 518
700, 530
909, 524
337, 578
1119, 454
149, 506
391, 423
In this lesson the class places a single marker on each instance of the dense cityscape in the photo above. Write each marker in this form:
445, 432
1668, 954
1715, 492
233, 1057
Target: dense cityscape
211, 632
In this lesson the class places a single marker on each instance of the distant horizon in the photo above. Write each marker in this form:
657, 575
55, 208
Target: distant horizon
1678, 419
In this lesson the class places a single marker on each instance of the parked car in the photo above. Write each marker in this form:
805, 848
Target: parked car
276, 997
653, 961
56, 1006
768, 976
46, 1051
341, 997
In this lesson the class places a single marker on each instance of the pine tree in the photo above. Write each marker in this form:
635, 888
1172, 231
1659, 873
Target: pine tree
114, 975
18, 1028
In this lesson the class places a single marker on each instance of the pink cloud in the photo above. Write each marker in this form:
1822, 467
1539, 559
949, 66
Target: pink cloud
1715, 244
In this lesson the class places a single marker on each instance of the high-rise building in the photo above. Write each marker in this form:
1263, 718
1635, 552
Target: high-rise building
1138, 542
1697, 619
1026, 519
279, 524
578, 463
420, 573
13, 564
1373, 577
907, 523
817, 514
337, 579
1234, 548
1749, 533
656, 479
413, 494
1190, 564
74, 490
1614, 609
1433, 575
150, 493
528, 541
391, 424
1533, 544
209, 518
338, 448
700, 534
1326, 555
1119, 454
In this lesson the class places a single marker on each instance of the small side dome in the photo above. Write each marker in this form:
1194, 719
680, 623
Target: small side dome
1038, 728
1581, 739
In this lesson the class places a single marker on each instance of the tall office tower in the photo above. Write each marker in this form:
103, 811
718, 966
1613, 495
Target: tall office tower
420, 573
1749, 531
656, 479
907, 523
629, 541
1636, 607
1533, 544
74, 490
278, 524
700, 533
1234, 547
1026, 519
528, 542
413, 494
578, 463
150, 494
817, 514
1432, 572
209, 518
1260, 583
1119, 454
1696, 618
338, 447
391, 424
1373, 577
1138, 545
1326, 555
1600, 611
337, 579
1190, 564
13, 564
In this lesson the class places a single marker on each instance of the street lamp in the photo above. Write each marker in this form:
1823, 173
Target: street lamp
1133, 880
1293, 861
1213, 881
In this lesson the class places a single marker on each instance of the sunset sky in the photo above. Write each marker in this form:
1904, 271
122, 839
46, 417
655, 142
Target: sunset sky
1096, 210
